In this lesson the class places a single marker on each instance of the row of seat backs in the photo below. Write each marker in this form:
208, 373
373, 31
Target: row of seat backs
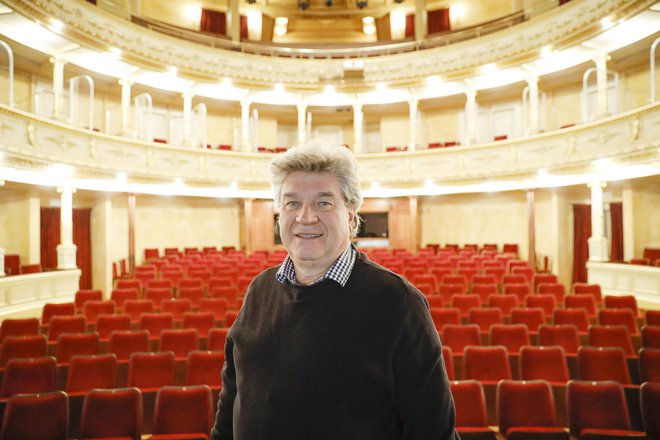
178, 410
526, 409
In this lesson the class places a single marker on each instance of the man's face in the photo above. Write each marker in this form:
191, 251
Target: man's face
314, 219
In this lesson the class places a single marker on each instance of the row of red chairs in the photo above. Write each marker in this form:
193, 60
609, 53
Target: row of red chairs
145, 370
577, 309
533, 318
514, 336
120, 342
178, 413
528, 410
491, 363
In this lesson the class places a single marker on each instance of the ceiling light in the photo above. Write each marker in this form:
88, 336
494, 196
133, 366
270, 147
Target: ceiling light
381, 87
546, 51
57, 26
114, 52
606, 23
233, 185
60, 170
279, 88
329, 88
433, 80
368, 20
172, 70
194, 13
457, 11
375, 186
178, 182
489, 68
121, 177
226, 82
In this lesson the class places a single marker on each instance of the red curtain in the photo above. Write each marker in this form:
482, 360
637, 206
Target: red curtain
581, 233
244, 28
438, 21
82, 239
213, 22
410, 25
616, 216
50, 238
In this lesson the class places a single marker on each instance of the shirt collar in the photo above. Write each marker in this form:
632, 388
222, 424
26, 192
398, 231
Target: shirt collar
340, 270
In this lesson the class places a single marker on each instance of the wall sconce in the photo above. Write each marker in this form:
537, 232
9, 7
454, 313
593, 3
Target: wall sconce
303, 4
361, 3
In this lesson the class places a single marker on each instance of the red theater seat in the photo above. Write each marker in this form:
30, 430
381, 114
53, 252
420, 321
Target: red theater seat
36, 417
598, 410
183, 410
471, 415
29, 375
547, 363
125, 407
526, 410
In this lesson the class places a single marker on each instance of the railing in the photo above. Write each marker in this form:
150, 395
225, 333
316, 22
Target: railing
330, 51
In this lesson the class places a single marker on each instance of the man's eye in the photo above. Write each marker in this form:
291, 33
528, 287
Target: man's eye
325, 204
291, 205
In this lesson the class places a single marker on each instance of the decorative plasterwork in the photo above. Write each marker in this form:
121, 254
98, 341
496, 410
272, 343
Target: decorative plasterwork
630, 138
95, 28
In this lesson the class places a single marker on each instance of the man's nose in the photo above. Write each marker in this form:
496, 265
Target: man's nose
307, 215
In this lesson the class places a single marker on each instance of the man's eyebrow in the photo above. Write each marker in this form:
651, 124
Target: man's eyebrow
319, 194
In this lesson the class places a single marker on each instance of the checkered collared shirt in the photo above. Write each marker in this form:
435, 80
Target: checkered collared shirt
339, 271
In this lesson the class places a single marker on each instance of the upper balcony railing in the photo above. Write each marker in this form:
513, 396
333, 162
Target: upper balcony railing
334, 51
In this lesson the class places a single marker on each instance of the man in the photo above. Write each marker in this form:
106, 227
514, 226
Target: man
329, 345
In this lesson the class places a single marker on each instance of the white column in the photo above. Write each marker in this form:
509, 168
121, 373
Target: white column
34, 229
66, 250
126, 84
533, 83
420, 20
412, 104
245, 124
58, 87
358, 122
234, 21
471, 116
531, 229
302, 127
187, 117
254, 130
601, 83
308, 125
2, 251
597, 241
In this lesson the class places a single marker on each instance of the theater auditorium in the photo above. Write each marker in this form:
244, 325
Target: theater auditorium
509, 159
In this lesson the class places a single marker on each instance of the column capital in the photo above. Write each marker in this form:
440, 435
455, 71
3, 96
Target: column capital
532, 80
597, 183
57, 59
471, 93
601, 57
63, 189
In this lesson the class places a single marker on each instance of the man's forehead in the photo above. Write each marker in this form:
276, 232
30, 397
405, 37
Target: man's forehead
323, 184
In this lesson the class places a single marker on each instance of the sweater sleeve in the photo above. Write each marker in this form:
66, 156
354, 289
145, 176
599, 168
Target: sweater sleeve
223, 427
423, 397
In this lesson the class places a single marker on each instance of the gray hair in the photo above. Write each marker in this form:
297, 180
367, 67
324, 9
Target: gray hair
318, 156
